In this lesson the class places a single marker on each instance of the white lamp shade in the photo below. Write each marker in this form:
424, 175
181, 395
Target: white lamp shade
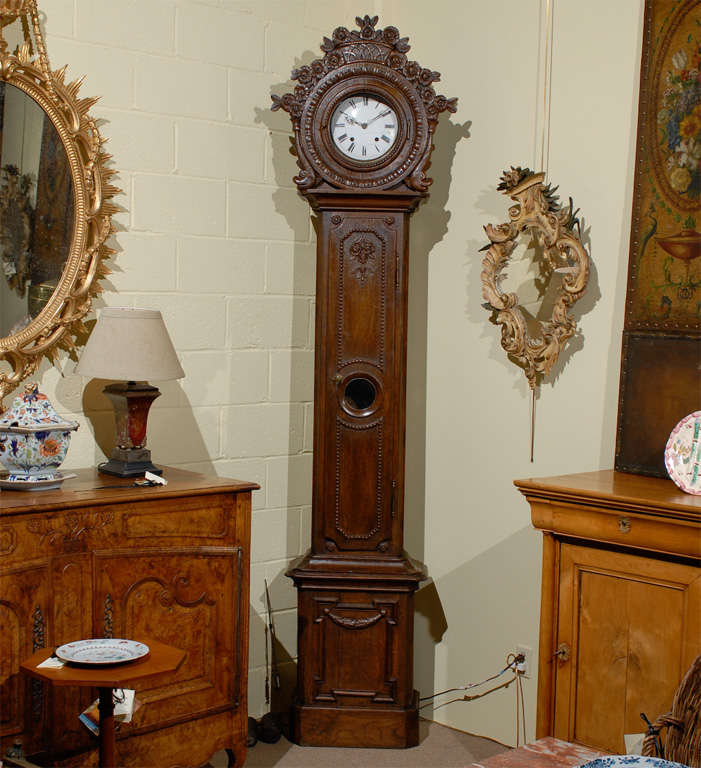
130, 345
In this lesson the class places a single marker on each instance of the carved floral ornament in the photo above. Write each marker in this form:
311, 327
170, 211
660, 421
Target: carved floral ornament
362, 252
376, 60
60, 323
555, 228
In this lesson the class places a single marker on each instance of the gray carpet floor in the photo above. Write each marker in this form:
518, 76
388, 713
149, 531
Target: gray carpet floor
439, 747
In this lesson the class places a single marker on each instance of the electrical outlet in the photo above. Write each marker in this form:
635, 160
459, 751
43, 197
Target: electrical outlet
527, 665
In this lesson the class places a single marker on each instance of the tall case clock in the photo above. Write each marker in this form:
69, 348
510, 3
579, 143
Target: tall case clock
363, 119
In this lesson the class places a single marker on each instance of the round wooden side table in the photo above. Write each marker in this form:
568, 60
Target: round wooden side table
161, 659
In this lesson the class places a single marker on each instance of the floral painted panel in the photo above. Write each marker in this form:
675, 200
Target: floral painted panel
664, 288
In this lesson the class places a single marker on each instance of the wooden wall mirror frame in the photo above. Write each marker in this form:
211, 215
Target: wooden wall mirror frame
555, 228
59, 323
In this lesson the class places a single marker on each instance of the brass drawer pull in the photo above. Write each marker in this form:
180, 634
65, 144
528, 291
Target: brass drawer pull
624, 524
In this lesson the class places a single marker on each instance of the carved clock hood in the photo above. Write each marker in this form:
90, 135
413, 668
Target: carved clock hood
365, 58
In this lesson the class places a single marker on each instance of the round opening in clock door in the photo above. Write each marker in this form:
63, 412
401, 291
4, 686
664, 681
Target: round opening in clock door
360, 393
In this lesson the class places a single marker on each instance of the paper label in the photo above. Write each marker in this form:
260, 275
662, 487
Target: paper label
634, 743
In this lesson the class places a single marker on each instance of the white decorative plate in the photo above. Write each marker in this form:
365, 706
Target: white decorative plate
102, 651
628, 761
682, 455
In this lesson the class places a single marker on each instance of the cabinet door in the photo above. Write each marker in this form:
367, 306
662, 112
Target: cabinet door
189, 597
72, 620
355, 648
633, 625
24, 609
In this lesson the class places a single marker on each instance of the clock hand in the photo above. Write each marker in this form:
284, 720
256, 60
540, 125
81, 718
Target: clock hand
377, 117
349, 118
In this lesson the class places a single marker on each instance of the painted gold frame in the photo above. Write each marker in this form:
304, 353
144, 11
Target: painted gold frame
556, 229
60, 323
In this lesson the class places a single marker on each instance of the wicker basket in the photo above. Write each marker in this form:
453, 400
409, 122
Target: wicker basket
683, 723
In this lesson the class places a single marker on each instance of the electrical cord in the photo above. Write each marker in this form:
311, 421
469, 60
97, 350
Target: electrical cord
511, 662
523, 704
519, 696
473, 697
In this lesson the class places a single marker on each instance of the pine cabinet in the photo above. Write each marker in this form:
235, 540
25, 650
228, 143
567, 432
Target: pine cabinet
168, 563
621, 601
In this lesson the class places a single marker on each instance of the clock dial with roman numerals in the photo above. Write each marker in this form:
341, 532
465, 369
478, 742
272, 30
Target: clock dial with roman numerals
363, 127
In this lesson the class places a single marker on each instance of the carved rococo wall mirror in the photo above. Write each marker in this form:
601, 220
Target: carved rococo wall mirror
534, 315
55, 208
534, 341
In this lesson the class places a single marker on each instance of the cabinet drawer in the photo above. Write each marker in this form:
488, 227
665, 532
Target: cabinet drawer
191, 520
619, 527
198, 518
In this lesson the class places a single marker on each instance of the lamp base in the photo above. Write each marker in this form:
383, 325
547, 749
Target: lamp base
129, 462
132, 401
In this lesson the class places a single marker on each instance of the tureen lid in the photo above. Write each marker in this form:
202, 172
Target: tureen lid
33, 409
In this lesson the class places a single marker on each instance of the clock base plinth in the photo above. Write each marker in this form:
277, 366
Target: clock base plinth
317, 726
355, 670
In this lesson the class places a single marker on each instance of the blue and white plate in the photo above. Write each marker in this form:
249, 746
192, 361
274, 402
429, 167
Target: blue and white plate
101, 651
626, 761
24, 482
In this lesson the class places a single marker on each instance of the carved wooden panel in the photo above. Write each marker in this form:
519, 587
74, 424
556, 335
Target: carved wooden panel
359, 249
24, 601
8, 540
180, 596
71, 531
71, 586
368, 628
71, 579
190, 746
361, 390
358, 502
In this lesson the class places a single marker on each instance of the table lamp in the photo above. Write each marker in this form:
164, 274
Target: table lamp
131, 345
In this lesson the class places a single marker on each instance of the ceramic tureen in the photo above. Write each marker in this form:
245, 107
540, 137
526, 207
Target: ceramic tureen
34, 441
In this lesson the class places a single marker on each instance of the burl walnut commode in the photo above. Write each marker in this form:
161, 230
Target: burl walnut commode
166, 563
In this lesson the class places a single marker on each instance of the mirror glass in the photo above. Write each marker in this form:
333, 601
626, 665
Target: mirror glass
36, 209
530, 276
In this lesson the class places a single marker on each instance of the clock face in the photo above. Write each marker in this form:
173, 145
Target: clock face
363, 127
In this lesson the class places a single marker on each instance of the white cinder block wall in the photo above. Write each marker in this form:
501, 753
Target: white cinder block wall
214, 235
